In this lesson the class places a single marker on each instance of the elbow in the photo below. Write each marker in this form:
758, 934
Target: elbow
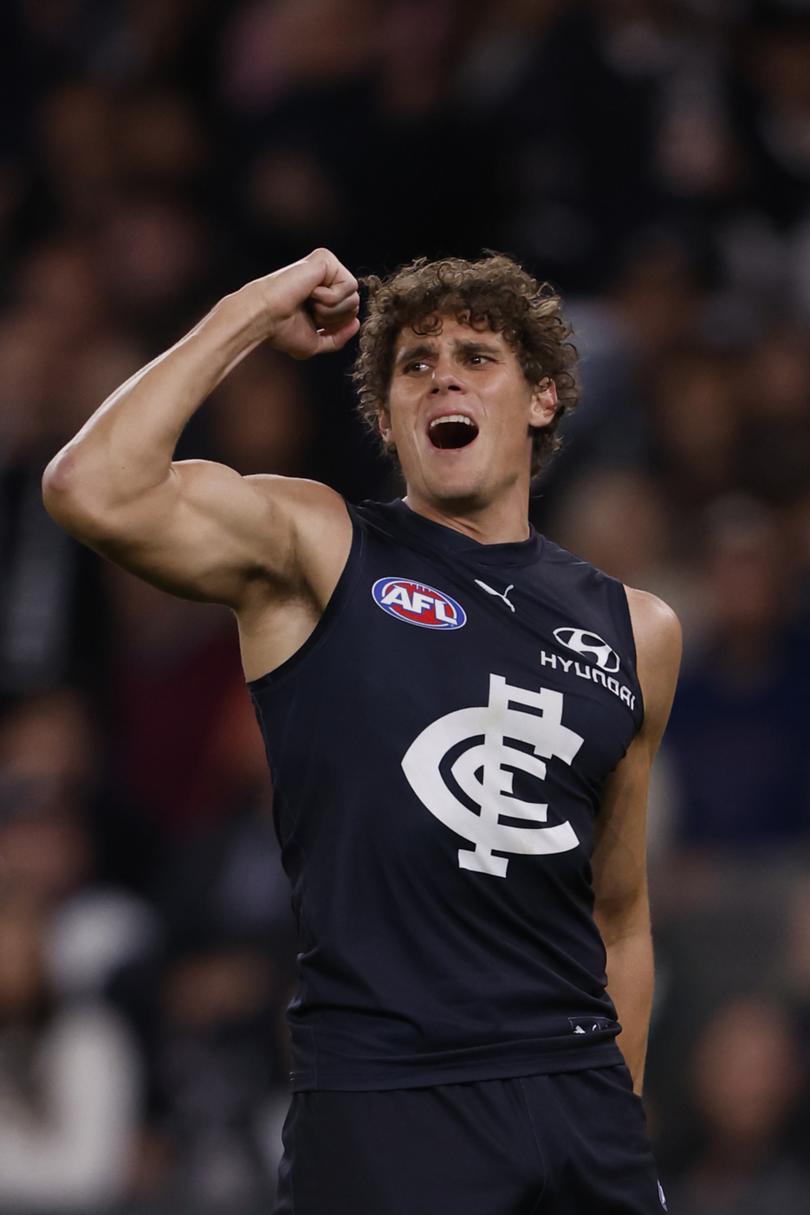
59, 485
56, 481
67, 498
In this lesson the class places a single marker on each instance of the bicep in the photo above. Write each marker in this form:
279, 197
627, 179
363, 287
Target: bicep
206, 532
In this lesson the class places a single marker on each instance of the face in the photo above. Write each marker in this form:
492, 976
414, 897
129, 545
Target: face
459, 414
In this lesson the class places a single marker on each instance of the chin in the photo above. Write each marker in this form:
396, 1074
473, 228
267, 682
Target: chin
467, 480
467, 491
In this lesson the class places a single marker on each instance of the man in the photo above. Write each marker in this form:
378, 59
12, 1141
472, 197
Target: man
460, 719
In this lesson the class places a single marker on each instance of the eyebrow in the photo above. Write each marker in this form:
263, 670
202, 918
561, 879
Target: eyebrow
465, 346
415, 352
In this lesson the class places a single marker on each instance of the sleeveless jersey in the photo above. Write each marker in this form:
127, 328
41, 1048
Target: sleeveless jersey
438, 749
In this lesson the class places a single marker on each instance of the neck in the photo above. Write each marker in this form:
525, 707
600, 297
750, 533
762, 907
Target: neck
501, 522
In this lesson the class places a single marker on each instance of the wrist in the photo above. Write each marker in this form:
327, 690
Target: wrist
224, 336
246, 314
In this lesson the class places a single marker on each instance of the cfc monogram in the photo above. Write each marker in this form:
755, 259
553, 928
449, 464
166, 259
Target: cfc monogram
484, 772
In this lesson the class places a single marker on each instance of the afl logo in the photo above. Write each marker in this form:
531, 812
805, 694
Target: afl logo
417, 603
590, 645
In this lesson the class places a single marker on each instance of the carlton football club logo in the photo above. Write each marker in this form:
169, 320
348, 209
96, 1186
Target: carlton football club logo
417, 603
589, 645
485, 742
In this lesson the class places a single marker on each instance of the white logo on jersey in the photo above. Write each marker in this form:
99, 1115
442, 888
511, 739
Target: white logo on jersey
662, 1197
583, 642
500, 594
484, 772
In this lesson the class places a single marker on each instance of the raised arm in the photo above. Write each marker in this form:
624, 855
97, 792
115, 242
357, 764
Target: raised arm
619, 862
193, 527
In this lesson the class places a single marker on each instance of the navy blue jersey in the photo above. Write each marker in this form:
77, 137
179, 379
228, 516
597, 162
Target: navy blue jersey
438, 749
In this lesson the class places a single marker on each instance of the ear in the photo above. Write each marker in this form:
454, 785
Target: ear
384, 424
544, 403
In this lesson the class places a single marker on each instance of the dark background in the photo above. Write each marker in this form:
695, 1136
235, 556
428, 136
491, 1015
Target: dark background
652, 159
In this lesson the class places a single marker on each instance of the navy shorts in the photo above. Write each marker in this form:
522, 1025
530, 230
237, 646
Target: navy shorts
574, 1143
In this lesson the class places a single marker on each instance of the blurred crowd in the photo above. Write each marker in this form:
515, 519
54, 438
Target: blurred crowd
652, 159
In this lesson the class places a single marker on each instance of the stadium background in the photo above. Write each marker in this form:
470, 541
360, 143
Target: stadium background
653, 160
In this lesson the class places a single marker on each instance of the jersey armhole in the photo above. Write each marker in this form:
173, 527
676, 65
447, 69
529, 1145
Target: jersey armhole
328, 617
624, 622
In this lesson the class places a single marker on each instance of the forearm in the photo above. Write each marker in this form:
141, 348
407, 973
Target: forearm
630, 981
127, 446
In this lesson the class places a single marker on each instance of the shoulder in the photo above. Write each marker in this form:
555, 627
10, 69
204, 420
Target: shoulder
656, 628
297, 496
314, 516
658, 641
317, 527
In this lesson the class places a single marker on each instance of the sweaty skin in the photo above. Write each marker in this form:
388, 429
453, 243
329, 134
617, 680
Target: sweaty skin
481, 489
272, 548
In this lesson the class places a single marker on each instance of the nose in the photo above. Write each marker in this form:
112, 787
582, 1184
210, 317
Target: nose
445, 380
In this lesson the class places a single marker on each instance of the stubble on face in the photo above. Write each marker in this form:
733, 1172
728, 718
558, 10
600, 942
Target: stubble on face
475, 373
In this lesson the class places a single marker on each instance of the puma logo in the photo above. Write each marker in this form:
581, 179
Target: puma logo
500, 594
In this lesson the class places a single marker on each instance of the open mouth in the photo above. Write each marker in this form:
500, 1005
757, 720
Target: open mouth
452, 432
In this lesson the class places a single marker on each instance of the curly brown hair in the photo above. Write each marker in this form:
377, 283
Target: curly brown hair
492, 293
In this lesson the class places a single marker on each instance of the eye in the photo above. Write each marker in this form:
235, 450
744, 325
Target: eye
416, 365
477, 359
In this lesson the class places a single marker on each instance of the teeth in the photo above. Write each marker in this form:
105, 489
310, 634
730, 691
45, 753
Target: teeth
451, 417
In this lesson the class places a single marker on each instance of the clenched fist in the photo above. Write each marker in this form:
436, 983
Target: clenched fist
309, 307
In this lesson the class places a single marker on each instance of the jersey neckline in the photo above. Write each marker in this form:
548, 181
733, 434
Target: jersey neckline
448, 540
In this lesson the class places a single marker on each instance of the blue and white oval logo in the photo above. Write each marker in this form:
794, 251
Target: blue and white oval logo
417, 603
589, 645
